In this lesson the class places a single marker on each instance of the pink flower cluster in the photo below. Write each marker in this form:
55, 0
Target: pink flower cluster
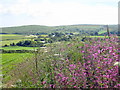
95, 70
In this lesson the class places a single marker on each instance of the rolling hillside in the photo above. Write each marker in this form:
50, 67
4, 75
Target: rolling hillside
38, 29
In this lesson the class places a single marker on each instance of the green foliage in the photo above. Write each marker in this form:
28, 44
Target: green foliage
31, 29
39, 30
48, 59
12, 37
8, 39
18, 48
29, 43
56, 36
8, 42
101, 32
9, 63
62, 42
12, 44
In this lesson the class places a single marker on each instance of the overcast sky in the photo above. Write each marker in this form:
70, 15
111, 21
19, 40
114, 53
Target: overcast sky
58, 12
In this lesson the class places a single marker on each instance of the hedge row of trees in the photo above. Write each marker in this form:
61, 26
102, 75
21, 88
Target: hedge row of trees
59, 37
40, 41
16, 51
27, 43
54, 37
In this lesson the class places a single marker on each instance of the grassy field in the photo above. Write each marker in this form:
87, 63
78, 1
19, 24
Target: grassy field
8, 42
11, 37
18, 48
99, 36
33, 29
60, 60
35, 68
44, 35
10, 61
103, 31
7, 39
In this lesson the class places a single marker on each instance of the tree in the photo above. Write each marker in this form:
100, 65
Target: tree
50, 41
96, 33
12, 44
20, 43
6, 45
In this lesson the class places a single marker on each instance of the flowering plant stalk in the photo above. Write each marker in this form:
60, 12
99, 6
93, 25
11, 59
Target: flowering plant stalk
97, 69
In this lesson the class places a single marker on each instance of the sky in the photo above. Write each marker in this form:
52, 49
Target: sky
57, 12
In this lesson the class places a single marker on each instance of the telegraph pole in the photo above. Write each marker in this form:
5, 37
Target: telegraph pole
108, 31
36, 62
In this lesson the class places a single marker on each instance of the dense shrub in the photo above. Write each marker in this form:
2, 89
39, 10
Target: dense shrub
97, 69
29, 43
89, 64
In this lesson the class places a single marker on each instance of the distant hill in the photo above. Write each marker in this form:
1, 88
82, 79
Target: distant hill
38, 29
29, 29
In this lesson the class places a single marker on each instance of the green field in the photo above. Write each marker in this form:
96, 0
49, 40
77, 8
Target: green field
7, 39
12, 37
19, 48
10, 61
8, 42
103, 31
98, 36
9, 35
23, 66
33, 29
44, 35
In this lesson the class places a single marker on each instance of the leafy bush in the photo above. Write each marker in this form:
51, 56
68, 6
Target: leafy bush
97, 69
29, 43
88, 64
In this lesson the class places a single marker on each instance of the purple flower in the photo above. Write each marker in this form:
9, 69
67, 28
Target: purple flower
72, 66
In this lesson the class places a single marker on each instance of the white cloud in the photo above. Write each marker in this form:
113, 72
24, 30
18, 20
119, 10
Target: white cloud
48, 13
77, 13
108, 1
3, 9
23, 1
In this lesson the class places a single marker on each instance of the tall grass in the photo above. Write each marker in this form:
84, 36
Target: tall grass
10, 62
74, 64
94, 70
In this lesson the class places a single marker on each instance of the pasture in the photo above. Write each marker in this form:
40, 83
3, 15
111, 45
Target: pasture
7, 39
102, 31
19, 48
74, 65
98, 36
67, 64
12, 37
2, 35
8, 42
10, 62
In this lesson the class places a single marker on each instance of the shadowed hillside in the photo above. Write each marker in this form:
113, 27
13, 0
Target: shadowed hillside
38, 29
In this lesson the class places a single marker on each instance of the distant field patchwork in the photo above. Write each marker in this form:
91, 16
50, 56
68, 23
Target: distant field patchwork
12, 37
8, 42
7, 39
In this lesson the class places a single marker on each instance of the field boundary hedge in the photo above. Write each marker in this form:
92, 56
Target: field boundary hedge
16, 51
